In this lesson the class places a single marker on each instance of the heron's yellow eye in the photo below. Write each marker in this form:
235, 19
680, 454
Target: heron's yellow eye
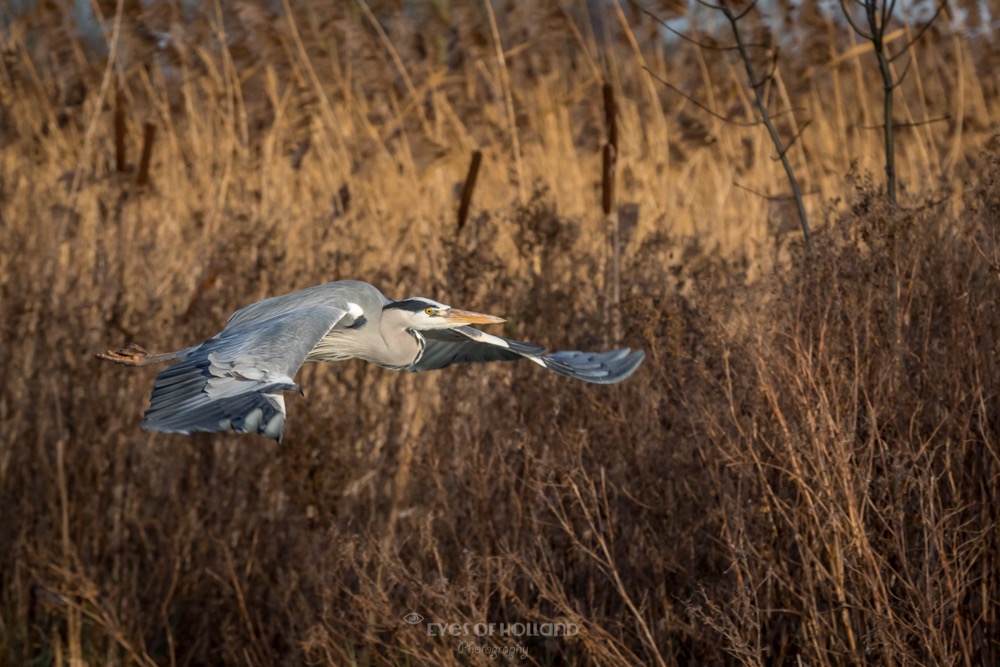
429, 310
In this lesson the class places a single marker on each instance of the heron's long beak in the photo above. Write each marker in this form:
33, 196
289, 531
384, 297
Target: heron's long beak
468, 317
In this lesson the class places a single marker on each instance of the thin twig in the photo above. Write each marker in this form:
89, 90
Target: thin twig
739, 17
687, 38
906, 70
916, 123
698, 104
923, 29
723, 8
764, 80
795, 138
850, 20
776, 198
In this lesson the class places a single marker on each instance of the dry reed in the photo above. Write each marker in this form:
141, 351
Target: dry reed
803, 472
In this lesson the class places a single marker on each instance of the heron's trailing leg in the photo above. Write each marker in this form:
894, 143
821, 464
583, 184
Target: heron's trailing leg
135, 355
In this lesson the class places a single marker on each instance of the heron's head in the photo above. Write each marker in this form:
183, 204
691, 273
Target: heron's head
422, 314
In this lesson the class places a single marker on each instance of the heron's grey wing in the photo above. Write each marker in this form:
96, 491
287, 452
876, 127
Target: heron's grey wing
234, 380
444, 347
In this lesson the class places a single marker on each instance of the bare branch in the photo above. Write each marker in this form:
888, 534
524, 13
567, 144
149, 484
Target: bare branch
905, 125
774, 198
791, 142
686, 38
878, 16
728, 12
994, 265
874, 23
765, 117
779, 114
709, 5
770, 74
850, 19
899, 79
887, 10
697, 103
876, 19
920, 33
746, 11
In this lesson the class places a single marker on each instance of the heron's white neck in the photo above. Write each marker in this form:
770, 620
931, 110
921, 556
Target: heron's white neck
402, 346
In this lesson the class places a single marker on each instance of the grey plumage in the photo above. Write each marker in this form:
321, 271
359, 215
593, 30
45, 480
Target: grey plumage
222, 383
235, 380
468, 345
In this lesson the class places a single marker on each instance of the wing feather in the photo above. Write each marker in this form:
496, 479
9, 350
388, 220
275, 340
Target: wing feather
234, 380
444, 347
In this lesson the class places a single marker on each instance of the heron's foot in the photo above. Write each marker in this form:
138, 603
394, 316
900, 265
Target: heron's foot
130, 355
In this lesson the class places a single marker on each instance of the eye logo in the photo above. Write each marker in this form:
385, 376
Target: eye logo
413, 618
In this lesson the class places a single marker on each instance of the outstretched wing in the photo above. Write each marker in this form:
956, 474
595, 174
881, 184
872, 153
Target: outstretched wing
234, 380
444, 347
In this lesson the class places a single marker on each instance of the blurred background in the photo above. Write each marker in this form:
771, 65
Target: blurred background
804, 471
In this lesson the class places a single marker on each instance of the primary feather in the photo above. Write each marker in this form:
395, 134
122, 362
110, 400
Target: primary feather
465, 344
234, 380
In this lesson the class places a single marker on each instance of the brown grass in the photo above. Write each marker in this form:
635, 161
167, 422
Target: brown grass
803, 472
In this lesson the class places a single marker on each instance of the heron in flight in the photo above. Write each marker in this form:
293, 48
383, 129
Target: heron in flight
235, 380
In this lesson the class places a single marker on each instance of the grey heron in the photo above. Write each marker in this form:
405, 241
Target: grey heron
235, 380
